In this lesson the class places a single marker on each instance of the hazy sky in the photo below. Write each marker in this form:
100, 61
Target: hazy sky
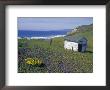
38, 23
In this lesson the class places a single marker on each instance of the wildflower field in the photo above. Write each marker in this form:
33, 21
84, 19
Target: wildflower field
38, 56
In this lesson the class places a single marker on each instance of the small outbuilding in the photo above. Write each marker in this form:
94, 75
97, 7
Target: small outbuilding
75, 43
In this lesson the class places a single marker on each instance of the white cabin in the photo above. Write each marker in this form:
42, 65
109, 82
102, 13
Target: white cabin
71, 45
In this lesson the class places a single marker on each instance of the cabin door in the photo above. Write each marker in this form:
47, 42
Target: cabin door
79, 47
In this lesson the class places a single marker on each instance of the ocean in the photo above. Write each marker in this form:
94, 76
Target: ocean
42, 34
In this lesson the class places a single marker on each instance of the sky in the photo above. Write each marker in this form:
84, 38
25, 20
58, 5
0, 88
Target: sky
51, 23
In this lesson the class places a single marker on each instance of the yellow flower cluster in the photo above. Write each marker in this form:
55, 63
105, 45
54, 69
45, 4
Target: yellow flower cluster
33, 61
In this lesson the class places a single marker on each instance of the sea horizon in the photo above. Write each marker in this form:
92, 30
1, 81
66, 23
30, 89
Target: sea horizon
42, 34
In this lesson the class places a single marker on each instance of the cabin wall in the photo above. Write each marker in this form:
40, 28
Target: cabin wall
71, 45
84, 46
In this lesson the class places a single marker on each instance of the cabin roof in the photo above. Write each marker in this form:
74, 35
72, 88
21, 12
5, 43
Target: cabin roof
76, 39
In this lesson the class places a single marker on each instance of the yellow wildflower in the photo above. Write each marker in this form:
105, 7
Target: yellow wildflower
33, 61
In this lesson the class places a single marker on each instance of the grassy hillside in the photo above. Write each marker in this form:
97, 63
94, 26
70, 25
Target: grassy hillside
54, 57
86, 31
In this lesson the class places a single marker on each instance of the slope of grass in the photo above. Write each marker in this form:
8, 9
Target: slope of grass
54, 56
86, 31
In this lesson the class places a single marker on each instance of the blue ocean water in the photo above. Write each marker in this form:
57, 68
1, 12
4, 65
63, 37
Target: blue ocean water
25, 33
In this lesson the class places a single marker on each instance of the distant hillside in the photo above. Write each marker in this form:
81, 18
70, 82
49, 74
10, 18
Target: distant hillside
85, 27
86, 31
81, 29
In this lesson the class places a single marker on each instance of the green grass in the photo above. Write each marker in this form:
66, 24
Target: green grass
56, 59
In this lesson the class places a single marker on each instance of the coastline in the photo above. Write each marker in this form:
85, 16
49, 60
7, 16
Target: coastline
49, 37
